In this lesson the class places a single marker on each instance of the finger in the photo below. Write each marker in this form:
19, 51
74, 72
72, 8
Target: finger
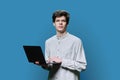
36, 62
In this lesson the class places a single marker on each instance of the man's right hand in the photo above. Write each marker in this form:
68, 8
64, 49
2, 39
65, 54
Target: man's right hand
37, 62
43, 65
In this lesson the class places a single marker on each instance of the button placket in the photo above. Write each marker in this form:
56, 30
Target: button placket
58, 48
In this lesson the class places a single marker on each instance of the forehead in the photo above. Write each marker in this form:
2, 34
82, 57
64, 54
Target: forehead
61, 18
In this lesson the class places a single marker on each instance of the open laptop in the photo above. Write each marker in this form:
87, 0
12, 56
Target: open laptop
34, 53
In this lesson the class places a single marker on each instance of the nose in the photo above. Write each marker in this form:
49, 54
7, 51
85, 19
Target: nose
60, 22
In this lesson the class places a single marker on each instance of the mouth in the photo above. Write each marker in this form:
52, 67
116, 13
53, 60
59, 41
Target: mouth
60, 26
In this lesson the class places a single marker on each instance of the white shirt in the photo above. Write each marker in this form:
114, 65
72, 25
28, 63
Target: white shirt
70, 49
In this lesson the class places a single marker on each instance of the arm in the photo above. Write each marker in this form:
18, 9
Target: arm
79, 62
49, 66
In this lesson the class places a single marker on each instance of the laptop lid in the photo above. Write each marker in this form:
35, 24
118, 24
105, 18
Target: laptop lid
34, 53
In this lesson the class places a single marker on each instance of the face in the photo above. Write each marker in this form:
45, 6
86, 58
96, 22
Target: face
60, 24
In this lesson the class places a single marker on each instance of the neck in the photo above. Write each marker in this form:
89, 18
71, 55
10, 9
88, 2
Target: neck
60, 34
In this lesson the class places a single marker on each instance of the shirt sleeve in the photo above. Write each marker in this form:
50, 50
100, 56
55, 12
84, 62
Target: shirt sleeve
46, 51
79, 62
49, 66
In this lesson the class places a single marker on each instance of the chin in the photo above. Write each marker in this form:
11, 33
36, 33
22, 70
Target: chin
61, 30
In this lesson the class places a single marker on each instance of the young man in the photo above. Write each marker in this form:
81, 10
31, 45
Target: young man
65, 50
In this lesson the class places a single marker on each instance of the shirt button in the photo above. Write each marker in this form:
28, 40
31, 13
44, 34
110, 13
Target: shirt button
56, 78
59, 42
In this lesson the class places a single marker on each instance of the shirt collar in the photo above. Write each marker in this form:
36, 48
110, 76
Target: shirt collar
63, 36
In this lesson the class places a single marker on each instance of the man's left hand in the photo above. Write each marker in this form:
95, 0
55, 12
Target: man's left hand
55, 59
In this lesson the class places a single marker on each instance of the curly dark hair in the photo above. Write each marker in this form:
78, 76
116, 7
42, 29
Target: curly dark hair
60, 13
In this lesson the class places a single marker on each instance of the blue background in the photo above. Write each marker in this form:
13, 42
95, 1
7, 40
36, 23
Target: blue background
96, 22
